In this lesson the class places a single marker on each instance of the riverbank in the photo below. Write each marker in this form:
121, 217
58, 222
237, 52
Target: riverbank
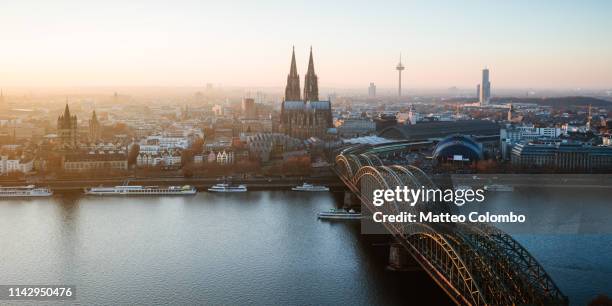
259, 183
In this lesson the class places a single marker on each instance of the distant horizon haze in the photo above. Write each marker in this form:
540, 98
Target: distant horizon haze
525, 44
278, 91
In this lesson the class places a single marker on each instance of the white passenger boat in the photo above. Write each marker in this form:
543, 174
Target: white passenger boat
227, 188
498, 187
24, 192
141, 190
310, 187
462, 187
340, 214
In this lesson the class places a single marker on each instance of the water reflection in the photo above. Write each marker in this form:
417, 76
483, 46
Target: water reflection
256, 247
66, 233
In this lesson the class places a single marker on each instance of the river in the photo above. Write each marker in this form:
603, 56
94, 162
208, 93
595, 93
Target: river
260, 247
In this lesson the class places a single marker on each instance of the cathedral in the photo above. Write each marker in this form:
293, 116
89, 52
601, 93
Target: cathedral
307, 117
67, 129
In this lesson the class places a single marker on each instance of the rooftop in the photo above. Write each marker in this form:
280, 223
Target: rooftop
81, 157
440, 129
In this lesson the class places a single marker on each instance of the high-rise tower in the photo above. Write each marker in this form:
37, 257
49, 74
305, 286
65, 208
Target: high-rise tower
399, 69
249, 111
372, 90
311, 86
292, 91
485, 88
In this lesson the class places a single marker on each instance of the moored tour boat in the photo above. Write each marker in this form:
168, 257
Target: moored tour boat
310, 187
342, 214
227, 188
141, 190
24, 192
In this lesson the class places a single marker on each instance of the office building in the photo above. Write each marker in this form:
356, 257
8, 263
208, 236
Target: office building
513, 134
485, 88
567, 157
355, 127
372, 90
249, 110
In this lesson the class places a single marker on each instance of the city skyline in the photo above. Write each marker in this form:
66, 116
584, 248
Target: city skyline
317, 152
532, 45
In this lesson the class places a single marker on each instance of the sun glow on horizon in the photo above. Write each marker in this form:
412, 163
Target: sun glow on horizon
190, 43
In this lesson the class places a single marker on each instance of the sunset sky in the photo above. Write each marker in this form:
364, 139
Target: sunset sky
537, 44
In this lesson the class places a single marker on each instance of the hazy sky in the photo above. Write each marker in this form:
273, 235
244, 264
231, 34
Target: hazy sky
537, 44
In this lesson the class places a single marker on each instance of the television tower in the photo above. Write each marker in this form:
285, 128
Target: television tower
399, 69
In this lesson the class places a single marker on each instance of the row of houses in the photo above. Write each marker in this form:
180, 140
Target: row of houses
221, 157
171, 158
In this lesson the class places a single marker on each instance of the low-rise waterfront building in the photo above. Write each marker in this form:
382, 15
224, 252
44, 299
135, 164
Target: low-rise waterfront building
513, 134
572, 157
76, 162
15, 164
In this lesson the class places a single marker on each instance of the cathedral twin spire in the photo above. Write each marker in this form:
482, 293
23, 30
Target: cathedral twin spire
311, 87
292, 91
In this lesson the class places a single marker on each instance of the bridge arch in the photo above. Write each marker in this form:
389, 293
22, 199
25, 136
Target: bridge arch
447, 267
343, 167
541, 288
474, 264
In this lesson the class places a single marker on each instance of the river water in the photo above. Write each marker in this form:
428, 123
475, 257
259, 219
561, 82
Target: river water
261, 247
250, 248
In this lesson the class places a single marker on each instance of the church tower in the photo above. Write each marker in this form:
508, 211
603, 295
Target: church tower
311, 86
67, 129
94, 128
292, 91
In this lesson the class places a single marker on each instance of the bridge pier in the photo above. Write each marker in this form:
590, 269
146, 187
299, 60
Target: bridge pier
350, 200
401, 260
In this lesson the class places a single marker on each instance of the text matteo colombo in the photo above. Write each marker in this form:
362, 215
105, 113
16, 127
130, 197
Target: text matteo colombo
403, 194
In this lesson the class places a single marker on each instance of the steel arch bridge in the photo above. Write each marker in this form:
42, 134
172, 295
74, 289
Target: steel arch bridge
475, 264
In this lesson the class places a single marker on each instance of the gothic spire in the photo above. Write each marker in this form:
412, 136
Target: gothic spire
67, 110
311, 86
292, 91
310, 64
293, 69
